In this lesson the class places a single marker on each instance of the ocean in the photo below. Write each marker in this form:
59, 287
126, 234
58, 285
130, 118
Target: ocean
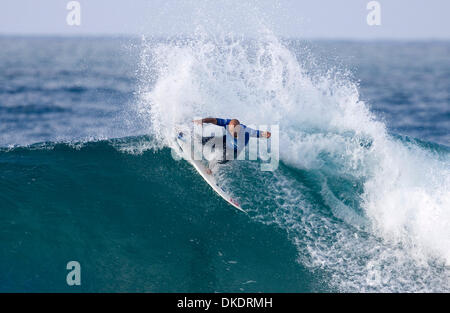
360, 201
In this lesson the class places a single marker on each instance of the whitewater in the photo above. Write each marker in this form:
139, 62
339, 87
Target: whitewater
368, 207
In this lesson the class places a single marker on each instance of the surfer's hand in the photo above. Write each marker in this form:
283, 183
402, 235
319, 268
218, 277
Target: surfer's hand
266, 134
200, 122
208, 171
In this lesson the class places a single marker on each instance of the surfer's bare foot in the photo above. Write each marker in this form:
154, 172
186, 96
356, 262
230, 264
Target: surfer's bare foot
208, 171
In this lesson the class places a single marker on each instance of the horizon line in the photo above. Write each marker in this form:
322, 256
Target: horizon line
312, 38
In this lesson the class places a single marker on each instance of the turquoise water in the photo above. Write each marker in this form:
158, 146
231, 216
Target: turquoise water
135, 223
359, 201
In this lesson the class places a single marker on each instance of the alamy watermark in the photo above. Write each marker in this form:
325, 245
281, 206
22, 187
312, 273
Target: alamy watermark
374, 16
73, 18
73, 278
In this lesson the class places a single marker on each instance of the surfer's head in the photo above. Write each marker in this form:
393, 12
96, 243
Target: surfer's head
234, 127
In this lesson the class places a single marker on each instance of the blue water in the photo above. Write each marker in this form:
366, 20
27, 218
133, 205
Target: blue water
86, 171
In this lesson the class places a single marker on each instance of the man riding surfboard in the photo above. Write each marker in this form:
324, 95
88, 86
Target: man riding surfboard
236, 138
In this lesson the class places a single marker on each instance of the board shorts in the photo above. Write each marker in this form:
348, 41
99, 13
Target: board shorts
223, 160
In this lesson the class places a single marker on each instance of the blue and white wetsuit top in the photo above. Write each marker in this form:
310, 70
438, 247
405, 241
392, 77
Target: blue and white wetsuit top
239, 143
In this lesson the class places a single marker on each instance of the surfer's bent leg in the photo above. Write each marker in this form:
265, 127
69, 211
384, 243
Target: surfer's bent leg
224, 154
220, 160
206, 139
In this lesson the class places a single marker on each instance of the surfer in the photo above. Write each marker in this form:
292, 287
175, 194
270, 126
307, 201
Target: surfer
236, 138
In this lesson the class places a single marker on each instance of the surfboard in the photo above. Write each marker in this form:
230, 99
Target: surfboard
184, 146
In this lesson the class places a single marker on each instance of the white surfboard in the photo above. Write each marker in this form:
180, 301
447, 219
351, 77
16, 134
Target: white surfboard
184, 146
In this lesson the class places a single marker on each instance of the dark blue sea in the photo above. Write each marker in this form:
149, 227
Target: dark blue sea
360, 201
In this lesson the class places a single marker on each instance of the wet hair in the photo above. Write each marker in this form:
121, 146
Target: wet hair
234, 122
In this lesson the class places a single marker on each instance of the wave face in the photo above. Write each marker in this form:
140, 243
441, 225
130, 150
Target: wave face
136, 220
367, 208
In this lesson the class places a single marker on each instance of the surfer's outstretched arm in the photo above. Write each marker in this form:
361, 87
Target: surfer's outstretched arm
207, 120
216, 121
257, 133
